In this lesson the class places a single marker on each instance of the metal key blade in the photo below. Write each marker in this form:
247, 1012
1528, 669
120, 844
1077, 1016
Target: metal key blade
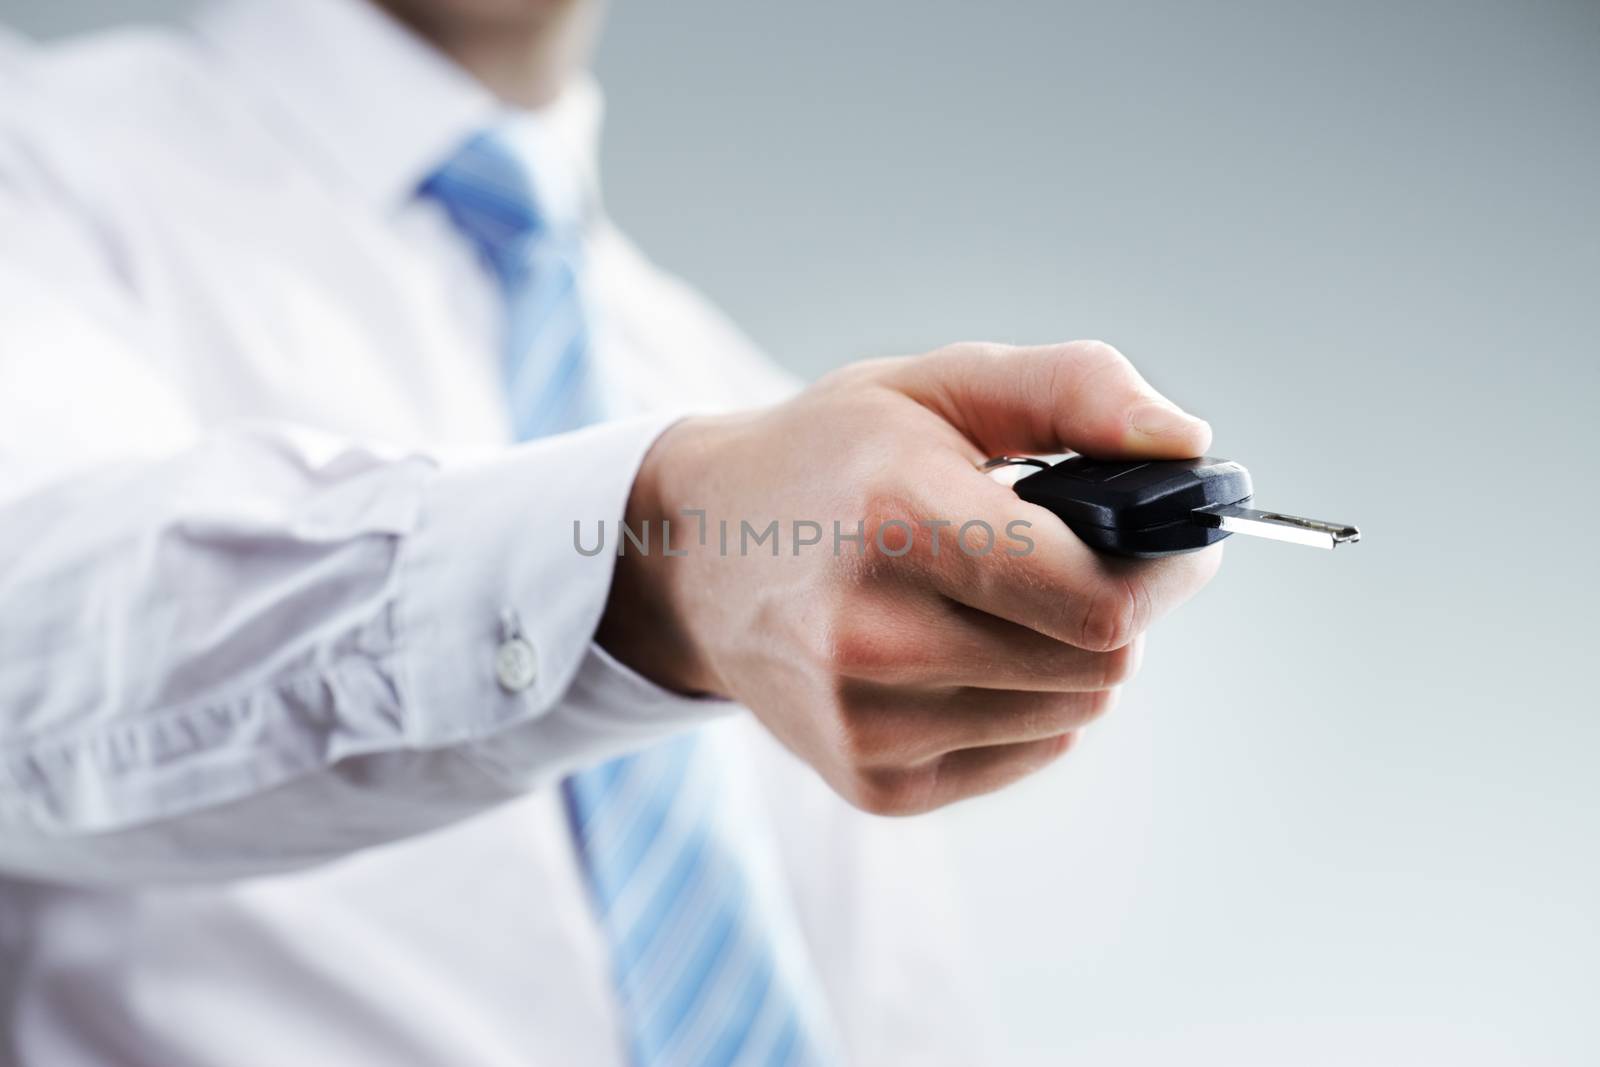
1276, 527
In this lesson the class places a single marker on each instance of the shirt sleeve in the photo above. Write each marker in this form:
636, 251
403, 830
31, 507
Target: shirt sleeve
254, 647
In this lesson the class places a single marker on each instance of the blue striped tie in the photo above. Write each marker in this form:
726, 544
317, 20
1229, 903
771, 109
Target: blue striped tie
698, 976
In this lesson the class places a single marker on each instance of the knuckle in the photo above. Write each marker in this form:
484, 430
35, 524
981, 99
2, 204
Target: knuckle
879, 505
1110, 618
1039, 755
974, 350
859, 649
1098, 353
886, 498
866, 370
872, 731
1098, 703
858, 735
892, 793
1117, 666
1058, 747
903, 536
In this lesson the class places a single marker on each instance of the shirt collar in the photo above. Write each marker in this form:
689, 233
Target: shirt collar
384, 108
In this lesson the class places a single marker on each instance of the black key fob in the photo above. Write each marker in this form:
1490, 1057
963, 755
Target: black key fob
1139, 508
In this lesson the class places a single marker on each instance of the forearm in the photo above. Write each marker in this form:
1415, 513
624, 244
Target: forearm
189, 637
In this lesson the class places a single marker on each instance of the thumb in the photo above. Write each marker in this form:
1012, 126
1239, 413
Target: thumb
1083, 395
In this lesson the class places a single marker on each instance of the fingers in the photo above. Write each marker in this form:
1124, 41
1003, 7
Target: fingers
975, 771
908, 678
957, 776
933, 642
1084, 396
1058, 587
888, 727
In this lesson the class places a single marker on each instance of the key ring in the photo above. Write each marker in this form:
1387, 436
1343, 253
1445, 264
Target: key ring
997, 462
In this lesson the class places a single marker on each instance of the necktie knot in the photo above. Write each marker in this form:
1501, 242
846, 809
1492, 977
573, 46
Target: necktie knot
489, 194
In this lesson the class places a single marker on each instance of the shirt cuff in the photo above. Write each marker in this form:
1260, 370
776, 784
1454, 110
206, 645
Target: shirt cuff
495, 557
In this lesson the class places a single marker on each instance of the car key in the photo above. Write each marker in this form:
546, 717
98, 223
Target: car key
1151, 508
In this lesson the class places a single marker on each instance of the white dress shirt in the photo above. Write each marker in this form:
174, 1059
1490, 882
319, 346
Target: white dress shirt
263, 800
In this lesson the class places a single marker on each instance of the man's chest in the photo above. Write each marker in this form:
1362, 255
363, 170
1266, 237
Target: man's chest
295, 307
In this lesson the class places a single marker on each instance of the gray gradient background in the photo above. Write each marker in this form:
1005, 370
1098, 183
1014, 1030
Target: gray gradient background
1349, 813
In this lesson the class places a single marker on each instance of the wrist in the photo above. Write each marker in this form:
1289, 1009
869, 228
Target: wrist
646, 624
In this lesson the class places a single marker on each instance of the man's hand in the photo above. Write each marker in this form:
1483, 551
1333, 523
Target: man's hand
907, 680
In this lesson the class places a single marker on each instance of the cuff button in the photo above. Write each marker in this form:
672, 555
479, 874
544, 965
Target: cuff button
515, 665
